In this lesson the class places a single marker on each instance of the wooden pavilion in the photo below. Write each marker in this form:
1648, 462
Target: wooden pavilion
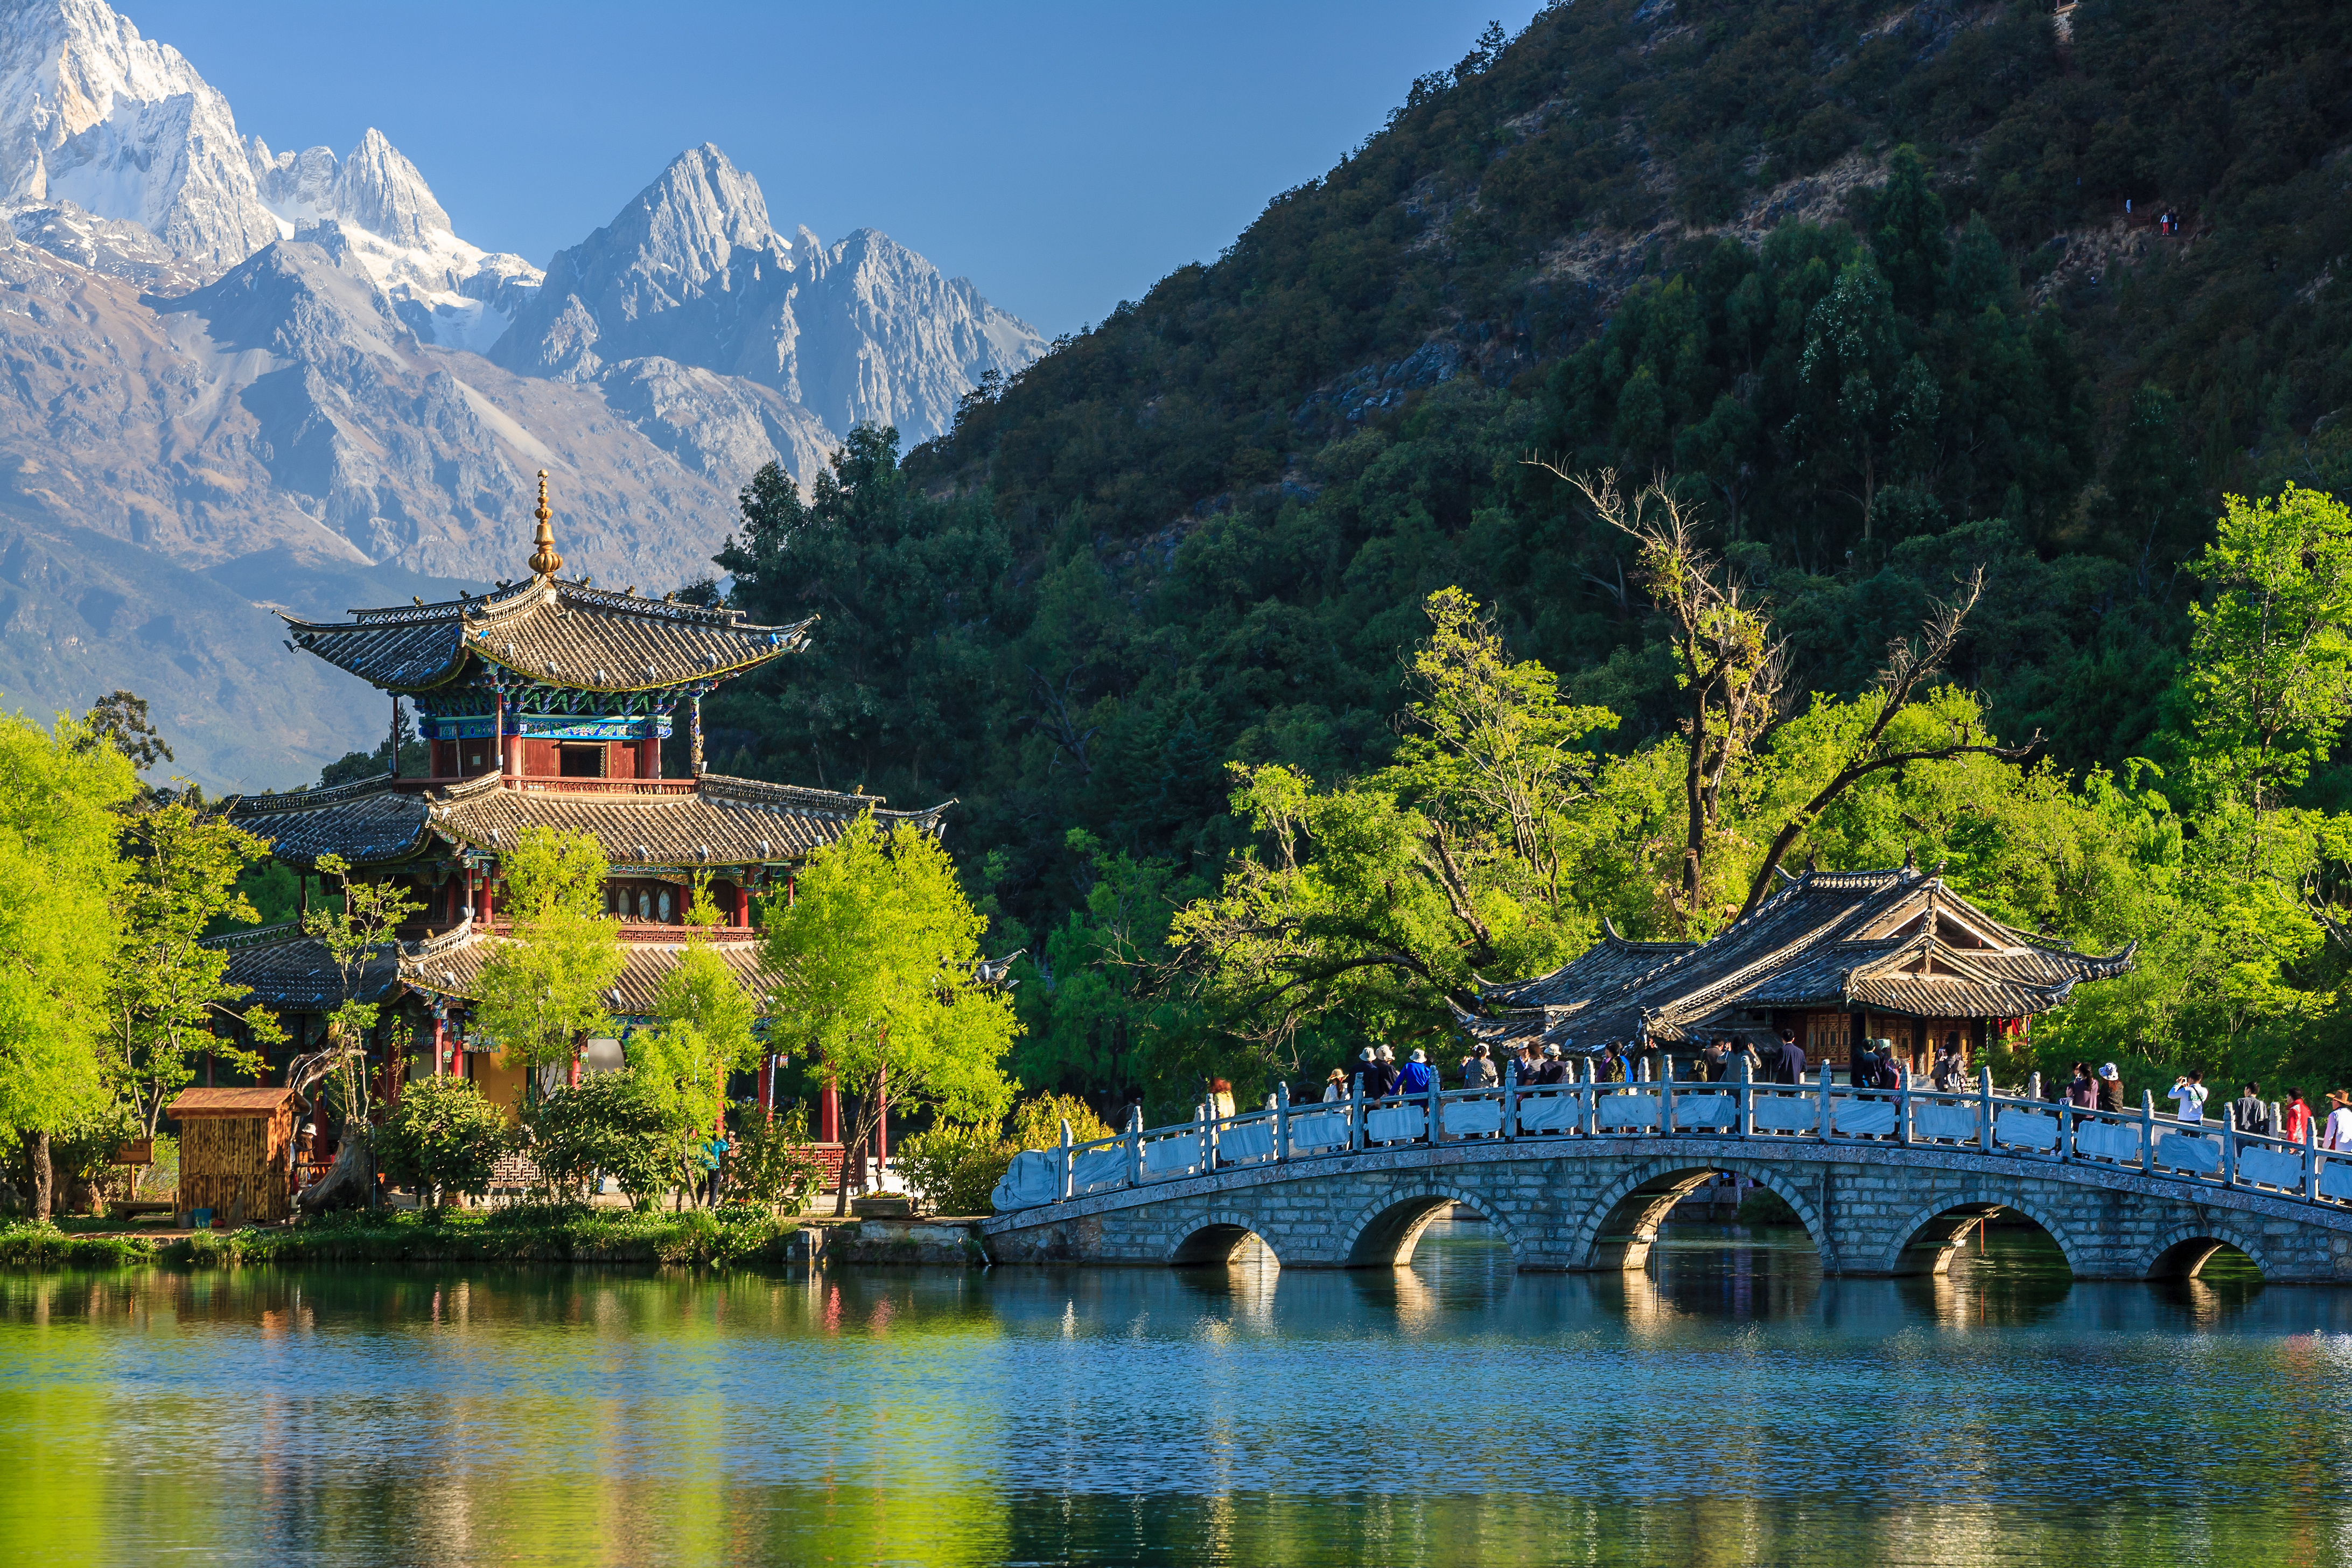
1834, 957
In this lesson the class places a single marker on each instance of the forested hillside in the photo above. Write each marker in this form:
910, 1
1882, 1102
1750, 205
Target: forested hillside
1862, 282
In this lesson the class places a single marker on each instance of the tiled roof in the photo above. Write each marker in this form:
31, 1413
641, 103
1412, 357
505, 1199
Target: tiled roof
720, 821
1827, 940
287, 972
724, 821
448, 967
545, 629
366, 823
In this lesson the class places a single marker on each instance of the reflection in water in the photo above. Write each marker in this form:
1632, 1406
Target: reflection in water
1729, 1405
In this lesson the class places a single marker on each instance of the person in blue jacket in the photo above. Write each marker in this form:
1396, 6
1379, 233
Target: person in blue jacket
1417, 1076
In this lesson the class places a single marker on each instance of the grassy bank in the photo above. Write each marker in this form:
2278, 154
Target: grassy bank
700, 1238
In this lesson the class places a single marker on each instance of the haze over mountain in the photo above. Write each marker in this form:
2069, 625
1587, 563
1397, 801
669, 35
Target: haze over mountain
241, 379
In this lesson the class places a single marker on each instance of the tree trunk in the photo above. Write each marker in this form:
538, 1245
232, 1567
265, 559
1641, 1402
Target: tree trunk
349, 1183
36, 1149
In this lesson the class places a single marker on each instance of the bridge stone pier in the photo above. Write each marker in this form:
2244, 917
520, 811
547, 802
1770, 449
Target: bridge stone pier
1595, 1204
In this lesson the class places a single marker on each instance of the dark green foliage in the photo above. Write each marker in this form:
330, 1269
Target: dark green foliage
1863, 284
442, 1138
611, 1124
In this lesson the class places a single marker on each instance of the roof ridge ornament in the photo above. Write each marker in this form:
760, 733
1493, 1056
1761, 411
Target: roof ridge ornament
544, 561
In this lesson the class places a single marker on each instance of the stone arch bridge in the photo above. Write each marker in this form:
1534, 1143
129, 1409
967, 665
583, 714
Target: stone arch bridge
1580, 1183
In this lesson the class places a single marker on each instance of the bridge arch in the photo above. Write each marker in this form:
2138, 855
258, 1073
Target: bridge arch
1384, 1233
2183, 1252
1217, 1239
1928, 1241
1620, 1225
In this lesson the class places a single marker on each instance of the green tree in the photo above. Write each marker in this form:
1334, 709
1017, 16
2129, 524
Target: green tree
442, 1137
544, 990
60, 874
613, 1123
874, 966
2270, 682
358, 929
705, 1033
167, 989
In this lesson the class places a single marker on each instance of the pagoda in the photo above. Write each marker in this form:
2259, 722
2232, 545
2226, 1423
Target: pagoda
541, 704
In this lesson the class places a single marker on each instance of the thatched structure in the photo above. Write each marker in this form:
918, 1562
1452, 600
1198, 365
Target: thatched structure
236, 1148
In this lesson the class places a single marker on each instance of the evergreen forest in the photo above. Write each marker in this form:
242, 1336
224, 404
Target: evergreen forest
1991, 369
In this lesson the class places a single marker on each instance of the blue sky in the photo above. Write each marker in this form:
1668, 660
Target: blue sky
1062, 156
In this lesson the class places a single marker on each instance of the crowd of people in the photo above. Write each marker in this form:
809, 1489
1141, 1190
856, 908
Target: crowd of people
1875, 1063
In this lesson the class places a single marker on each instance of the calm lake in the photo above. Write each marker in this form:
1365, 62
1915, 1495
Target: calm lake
1731, 1406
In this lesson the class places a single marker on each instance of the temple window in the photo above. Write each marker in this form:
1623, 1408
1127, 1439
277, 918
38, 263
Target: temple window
581, 761
665, 906
644, 904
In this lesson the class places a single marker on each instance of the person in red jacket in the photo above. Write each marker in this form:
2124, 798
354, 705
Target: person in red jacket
2298, 1118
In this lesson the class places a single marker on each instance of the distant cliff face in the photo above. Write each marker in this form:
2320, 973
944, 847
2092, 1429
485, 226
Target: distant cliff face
693, 271
241, 378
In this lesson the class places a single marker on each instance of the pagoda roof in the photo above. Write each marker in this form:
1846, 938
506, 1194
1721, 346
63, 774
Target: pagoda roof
550, 631
1896, 942
450, 965
713, 820
285, 971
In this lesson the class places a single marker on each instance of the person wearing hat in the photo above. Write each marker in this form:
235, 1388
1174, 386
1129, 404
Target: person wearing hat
1551, 1070
2110, 1089
2337, 1133
1367, 1066
1416, 1077
1335, 1088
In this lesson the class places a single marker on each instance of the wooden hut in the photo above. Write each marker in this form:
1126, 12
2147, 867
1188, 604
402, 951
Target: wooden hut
237, 1146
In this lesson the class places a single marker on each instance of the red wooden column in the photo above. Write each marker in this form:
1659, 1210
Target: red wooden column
576, 1043
768, 1086
440, 1026
828, 1113
882, 1122
744, 905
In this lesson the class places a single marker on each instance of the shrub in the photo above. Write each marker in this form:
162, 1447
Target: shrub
955, 1169
1037, 1122
611, 1124
442, 1137
771, 1164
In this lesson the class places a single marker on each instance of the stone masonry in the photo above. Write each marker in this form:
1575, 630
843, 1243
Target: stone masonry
1587, 1204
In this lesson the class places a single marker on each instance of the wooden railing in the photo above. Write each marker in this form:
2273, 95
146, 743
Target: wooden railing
1755, 1117
605, 786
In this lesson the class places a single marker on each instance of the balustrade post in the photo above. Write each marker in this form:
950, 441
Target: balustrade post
2229, 1147
1665, 1093
1511, 1099
1588, 1100
1356, 1112
1282, 1121
1821, 1131
2033, 1087
2148, 1131
1984, 1108
1135, 1147
1434, 1114
1903, 1107
1743, 1081
2311, 1160
2065, 1149
1066, 1160
1207, 1138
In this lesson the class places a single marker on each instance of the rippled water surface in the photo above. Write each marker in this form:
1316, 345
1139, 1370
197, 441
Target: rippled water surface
1730, 1406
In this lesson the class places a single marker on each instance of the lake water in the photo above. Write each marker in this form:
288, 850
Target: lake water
1731, 1406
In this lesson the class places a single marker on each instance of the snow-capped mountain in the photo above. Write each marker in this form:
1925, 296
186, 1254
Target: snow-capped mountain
693, 270
453, 293
240, 379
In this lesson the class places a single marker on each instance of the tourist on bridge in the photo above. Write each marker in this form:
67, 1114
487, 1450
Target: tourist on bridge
2337, 1133
2298, 1117
1612, 1067
1715, 1060
1381, 1081
2083, 1093
2188, 1097
1529, 1059
1946, 1073
1478, 1069
1335, 1088
1367, 1068
2110, 1089
1863, 1071
1890, 1067
1789, 1066
2249, 1114
1551, 1070
1417, 1075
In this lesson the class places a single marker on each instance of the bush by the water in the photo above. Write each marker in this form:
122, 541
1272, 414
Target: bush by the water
612, 1122
955, 1169
771, 1164
1038, 1121
442, 1137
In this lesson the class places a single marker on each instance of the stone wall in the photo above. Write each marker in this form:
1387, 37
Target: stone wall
1596, 1204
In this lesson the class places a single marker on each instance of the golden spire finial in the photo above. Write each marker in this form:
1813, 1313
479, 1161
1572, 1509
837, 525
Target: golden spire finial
543, 559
